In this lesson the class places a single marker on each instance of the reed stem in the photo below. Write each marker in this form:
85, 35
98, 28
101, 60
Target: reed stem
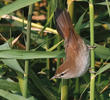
28, 35
64, 89
77, 89
92, 80
58, 48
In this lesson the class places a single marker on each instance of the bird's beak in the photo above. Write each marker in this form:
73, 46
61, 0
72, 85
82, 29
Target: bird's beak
53, 78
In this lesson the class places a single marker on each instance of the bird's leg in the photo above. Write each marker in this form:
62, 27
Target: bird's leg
91, 71
91, 47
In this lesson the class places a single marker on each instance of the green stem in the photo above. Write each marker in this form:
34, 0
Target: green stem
58, 48
27, 49
48, 61
92, 82
76, 89
64, 90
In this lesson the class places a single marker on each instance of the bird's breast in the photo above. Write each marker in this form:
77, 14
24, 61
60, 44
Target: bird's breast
82, 61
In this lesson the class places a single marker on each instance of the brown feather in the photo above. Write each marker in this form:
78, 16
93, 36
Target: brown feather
73, 43
64, 24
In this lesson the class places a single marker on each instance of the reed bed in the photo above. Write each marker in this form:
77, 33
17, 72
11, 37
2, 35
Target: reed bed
31, 50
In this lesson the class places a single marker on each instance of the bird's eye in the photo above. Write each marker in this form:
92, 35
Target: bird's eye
62, 74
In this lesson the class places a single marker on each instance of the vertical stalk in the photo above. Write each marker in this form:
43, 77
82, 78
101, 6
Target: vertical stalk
58, 48
48, 61
64, 89
77, 89
27, 49
92, 81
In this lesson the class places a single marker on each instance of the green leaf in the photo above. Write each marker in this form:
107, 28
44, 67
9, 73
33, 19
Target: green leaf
44, 90
11, 96
86, 25
55, 46
102, 52
17, 4
5, 46
103, 3
48, 21
22, 54
78, 24
20, 78
7, 85
12, 63
106, 3
108, 6
104, 68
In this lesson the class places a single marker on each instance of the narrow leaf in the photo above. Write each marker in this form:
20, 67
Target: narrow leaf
103, 3
7, 85
12, 63
78, 24
108, 7
55, 46
44, 90
102, 52
101, 70
11, 96
48, 21
22, 54
17, 4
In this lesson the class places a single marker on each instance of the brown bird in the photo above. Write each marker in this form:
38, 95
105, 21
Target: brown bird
77, 52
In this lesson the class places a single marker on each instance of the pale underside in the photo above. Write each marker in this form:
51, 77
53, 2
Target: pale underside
77, 53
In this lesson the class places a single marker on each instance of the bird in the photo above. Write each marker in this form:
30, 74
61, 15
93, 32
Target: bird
77, 52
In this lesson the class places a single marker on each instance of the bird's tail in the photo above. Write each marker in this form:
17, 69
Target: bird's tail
64, 24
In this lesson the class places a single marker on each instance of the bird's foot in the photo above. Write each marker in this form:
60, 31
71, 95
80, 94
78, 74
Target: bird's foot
91, 70
91, 47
